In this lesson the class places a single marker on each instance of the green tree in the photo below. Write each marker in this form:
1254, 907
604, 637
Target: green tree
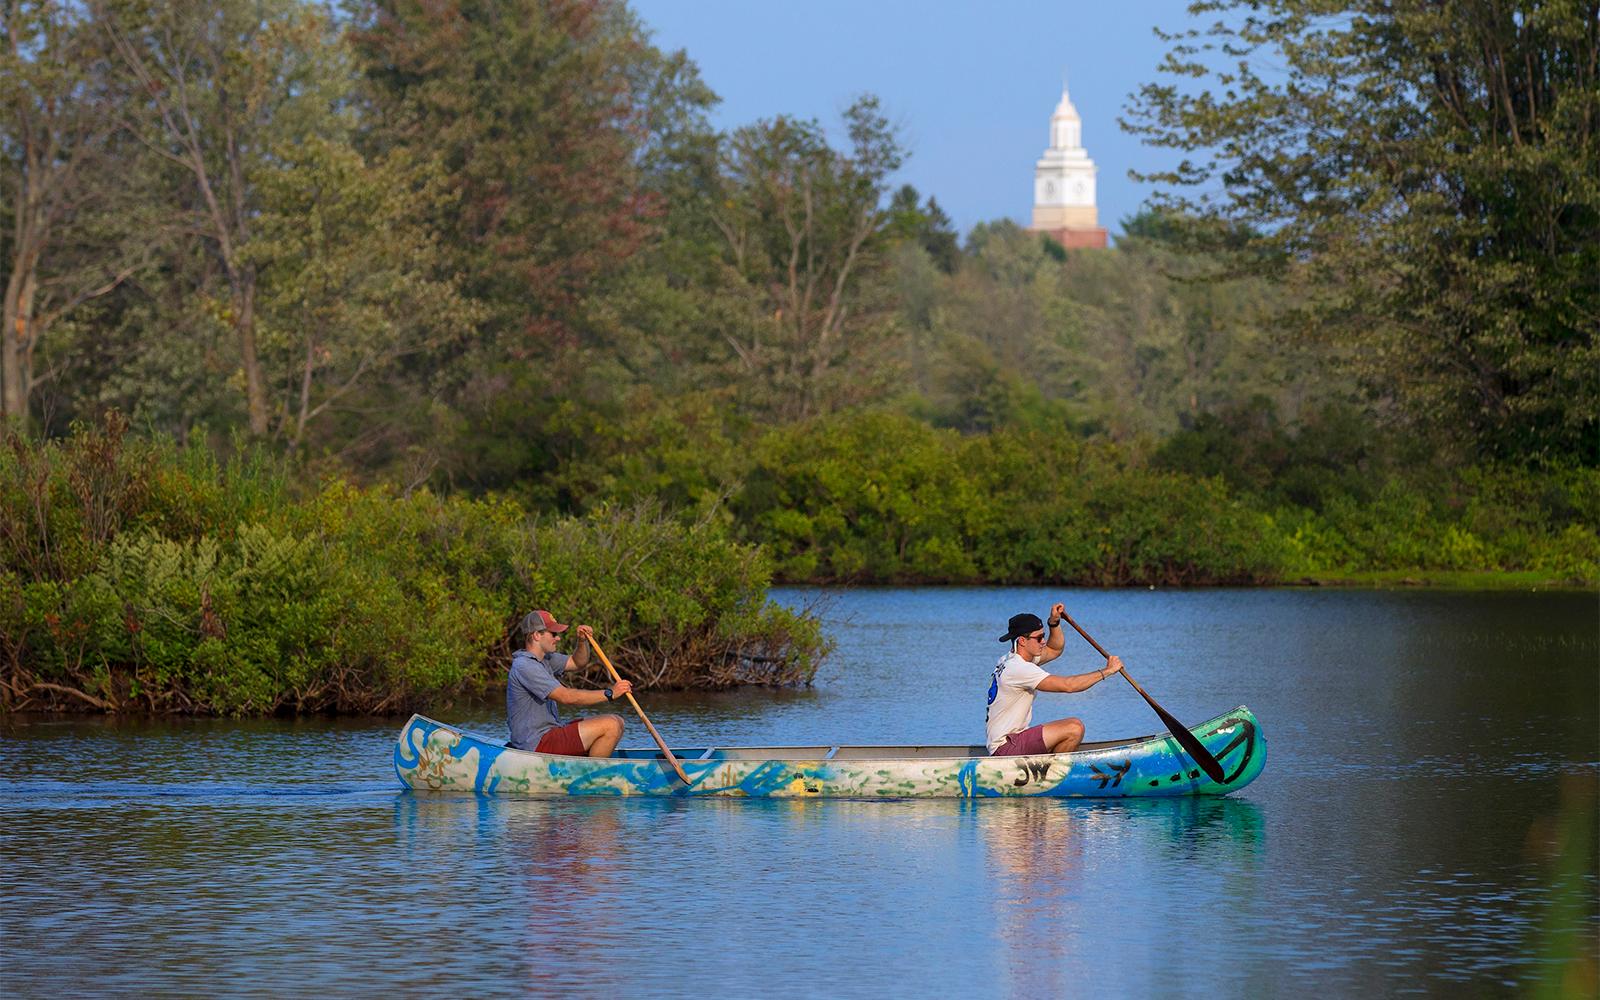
1000, 335
545, 115
1428, 174
806, 230
927, 225
350, 285
1167, 336
68, 202
223, 85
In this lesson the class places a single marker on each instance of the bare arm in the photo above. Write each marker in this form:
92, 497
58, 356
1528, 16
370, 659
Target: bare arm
578, 698
1057, 639
579, 658
580, 649
1073, 683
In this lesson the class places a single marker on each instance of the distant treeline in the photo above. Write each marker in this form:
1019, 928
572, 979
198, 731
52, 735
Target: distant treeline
489, 264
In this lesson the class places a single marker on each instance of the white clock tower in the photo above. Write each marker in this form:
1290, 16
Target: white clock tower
1063, 183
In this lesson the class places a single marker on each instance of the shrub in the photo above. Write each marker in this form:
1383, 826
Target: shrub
137, 574
870, 496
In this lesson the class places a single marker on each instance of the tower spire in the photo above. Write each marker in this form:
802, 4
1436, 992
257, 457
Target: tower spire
1064, 181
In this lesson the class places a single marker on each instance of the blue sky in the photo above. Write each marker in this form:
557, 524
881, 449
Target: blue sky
971, 85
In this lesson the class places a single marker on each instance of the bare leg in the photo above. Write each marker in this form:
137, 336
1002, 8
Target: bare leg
1063, 735
600, 735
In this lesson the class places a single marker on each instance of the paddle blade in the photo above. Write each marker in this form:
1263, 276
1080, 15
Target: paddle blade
1193, 747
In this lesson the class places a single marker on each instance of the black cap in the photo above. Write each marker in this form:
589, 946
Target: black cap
1021, 625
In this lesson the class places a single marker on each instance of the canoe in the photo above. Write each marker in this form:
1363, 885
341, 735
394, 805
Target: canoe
433, 757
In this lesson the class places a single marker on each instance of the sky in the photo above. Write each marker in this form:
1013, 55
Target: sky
971, 85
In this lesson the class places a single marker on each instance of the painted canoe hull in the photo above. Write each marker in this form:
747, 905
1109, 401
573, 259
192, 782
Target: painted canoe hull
432, 757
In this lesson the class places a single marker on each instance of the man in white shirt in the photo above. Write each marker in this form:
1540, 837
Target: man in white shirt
1018, 676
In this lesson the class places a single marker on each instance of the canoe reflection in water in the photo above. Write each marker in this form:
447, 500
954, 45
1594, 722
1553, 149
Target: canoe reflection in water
1052, 863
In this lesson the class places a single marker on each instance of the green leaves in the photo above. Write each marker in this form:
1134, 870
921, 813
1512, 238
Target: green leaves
805, 231
876, 497
1427, 178
353, 283
214, 592
543, 116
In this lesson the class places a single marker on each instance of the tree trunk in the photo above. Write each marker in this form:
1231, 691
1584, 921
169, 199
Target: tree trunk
16, 342
244, 324
305, 393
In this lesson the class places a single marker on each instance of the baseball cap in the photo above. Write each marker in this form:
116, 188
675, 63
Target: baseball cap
533, 621
1021, 625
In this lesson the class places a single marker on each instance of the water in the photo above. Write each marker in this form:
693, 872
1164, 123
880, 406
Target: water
1426, 823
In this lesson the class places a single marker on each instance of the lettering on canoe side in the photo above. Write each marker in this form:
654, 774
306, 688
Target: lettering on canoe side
1114, 776
1029, 771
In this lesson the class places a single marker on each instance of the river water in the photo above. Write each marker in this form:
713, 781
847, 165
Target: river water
1426, 823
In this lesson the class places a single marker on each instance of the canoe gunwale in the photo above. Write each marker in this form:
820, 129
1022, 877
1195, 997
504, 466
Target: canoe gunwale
815, 751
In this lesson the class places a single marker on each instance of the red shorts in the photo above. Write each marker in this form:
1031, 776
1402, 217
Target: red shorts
563, 740
1029, 741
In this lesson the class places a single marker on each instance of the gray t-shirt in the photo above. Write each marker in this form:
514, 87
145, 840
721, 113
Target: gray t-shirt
529, 710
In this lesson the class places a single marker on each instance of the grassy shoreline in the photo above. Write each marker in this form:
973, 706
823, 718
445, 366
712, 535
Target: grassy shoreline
1480, 580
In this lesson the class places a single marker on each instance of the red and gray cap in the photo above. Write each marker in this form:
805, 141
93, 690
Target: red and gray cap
535, 621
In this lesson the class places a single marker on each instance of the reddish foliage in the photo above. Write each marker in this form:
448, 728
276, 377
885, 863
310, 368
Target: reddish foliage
531, 104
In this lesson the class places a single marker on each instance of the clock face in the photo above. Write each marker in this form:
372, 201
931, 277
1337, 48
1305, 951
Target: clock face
1077, 189
1049, 189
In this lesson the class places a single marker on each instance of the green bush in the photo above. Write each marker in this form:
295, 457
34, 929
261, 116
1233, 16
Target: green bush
135, 573
865, 496
200, 586
880, 497
685, 603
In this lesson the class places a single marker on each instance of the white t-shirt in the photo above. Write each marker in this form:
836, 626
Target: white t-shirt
1011, 697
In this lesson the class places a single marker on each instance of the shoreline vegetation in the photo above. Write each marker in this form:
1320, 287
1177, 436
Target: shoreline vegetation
321, 367
140, 576
144, 577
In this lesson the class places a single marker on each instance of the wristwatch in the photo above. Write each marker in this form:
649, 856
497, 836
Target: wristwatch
609, 694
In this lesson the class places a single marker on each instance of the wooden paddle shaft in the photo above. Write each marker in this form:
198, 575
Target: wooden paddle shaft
1101, 650
1180, 732
617, 678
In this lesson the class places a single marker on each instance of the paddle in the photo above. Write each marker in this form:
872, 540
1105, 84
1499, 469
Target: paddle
616, 678
1185, 739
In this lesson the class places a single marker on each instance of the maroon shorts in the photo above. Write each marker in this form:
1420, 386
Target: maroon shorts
563, 740
1029, 741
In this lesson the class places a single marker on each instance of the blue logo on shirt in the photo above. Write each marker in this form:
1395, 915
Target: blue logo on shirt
994, 688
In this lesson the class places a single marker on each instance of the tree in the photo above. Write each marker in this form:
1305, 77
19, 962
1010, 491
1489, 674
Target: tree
1132, 343
1428, 174
222, 85
349, 276
1167, 335
805, 229
926, 225
69, 200
999, 336
544, 114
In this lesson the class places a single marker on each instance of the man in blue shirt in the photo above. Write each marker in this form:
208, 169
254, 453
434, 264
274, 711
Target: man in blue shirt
534, 689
